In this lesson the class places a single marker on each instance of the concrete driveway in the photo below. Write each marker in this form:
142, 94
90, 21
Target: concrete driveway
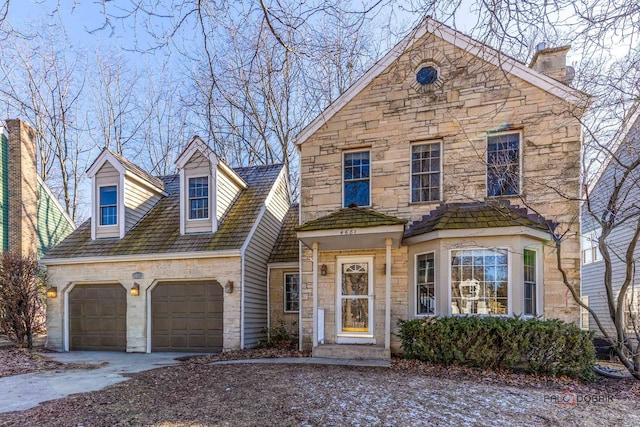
21, 392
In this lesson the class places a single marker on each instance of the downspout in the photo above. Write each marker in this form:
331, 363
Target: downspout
387, 297
268, 302
315, 294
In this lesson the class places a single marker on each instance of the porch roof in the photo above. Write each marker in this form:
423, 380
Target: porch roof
352, 228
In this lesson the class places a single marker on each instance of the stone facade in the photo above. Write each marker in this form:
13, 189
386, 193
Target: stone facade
471, 98
277, 314
154, 271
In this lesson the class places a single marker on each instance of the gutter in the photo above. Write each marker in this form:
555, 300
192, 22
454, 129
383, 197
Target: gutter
142, 257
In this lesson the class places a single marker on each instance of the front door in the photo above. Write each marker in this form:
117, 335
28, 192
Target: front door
355, 300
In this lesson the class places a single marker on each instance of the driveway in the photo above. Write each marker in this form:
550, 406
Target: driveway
21, 392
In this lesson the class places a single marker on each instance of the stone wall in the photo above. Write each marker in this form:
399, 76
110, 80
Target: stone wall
276, 300
220, 269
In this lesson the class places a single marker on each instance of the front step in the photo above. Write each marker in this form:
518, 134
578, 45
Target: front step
351, 351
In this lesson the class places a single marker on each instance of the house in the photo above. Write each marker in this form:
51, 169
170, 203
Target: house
171, 263
32, 220
432, 187
612, 205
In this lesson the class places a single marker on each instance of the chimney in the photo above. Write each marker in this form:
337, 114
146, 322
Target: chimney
23, 188
552, 62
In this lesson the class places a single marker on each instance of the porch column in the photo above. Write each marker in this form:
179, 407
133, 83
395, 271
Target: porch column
387, 297
315, 293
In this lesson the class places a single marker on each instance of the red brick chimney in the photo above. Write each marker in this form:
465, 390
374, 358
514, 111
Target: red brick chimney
23, 188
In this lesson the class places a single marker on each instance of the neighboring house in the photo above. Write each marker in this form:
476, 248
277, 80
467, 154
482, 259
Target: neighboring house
32, 221
172, 263
624, 214
430, 187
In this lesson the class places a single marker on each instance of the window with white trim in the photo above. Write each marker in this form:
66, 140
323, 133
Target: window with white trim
291, 293
109, 205
357, 178
503, 164
425, 172
631, 309
530, 283
590, 249
199, 197
479, 281
425, 284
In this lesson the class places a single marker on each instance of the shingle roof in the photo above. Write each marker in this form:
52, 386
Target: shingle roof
353, 217
477, 215
136, 170
159, 230
286, 246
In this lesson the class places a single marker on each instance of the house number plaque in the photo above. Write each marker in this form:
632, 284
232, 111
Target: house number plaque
348, 232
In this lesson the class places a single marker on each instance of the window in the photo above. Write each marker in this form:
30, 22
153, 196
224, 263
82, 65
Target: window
632, 310
503, 165
530, 293
590, 250
479, 281
584, 313
199, 198
109, 205
425, 172
425, 284
357, 182
291, 293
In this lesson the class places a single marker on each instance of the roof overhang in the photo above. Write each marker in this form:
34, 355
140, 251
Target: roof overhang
479, 232
343, 239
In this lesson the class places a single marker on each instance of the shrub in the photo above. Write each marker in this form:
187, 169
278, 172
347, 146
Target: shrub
22, 298
545, 347
281, 336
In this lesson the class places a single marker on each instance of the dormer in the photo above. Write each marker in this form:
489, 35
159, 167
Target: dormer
208, 187
121, 194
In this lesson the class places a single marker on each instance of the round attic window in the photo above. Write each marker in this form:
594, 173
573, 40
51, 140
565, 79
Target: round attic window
427, 75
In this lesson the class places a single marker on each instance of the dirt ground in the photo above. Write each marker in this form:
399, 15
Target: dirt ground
198, 393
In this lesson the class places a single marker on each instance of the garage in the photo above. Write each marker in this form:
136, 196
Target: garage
187, 316
98, 317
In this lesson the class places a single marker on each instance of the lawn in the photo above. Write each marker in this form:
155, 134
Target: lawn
199, 393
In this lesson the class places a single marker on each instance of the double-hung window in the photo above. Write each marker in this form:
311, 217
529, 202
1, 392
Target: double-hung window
199, 198
530, 282
109, 205
425, 172
503, 164
357, 178
291, 293
590, 246
425, 284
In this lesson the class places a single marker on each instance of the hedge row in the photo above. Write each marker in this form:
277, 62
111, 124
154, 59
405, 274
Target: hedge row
545, 347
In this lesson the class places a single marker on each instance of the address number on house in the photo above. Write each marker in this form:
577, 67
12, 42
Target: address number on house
348, 232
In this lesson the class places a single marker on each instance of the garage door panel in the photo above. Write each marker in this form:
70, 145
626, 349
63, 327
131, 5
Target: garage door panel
187, 316
97, 317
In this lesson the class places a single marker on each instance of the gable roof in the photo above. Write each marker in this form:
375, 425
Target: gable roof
158, 232
353, 217
456, 216
456, 38
124, 166
286, 248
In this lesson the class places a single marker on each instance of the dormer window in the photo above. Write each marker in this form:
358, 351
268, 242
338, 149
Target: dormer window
109, 205
199, 198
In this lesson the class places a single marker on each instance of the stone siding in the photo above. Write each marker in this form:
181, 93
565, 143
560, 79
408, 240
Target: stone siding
220, 269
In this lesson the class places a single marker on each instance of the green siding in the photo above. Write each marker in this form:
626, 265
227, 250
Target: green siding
4, 192
53, 225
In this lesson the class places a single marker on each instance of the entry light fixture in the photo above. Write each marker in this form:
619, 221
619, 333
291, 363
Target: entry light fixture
135, 289
228, 288
52, 292
323, 270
